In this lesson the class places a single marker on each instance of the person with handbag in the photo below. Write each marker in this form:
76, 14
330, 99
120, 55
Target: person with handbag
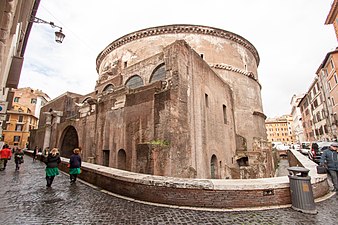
330, 159
5, 155
18, 158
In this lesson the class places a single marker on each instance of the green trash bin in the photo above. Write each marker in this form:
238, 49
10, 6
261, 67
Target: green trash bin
301, 190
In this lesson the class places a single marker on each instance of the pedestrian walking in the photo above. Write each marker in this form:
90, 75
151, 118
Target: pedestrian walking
330, 159
35, 152
74, 165
52, 161
18, 158
5, 155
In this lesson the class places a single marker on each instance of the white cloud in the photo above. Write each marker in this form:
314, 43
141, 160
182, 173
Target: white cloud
290, 37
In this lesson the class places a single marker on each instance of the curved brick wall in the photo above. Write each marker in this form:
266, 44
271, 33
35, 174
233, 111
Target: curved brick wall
208, 193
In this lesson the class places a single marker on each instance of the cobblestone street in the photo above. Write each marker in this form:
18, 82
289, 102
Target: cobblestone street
26, 200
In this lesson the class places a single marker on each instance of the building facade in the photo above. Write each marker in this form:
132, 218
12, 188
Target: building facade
176, 100
15, 26
22, 116
332, 16
297, 127
279, 129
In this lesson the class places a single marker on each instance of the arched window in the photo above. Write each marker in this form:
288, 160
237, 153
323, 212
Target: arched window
134, 82
214, 167
86, 99
121, 159
109, 87
158, 73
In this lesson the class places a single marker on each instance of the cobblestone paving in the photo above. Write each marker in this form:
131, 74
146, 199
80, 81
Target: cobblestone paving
26, 200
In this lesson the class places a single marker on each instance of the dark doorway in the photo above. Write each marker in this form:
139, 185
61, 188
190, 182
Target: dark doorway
106, 154
121, 159
214, 167
70, 141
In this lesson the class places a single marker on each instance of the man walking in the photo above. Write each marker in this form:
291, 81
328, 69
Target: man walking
330, 158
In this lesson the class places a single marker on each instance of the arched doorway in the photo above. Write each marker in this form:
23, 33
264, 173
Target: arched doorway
121, 159
69, 141
214, 167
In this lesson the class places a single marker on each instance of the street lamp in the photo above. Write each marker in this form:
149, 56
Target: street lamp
59, 36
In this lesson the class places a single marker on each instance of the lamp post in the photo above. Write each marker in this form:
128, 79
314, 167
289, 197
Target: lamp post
59, 36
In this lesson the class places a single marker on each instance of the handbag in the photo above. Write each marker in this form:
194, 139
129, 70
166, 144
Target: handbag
321, 169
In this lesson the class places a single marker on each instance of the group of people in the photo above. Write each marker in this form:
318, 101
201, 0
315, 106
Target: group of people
51, 158
6, 154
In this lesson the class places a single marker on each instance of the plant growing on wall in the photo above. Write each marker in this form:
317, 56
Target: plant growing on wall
162, 143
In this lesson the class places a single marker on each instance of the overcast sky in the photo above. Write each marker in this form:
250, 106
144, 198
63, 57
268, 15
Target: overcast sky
289, 35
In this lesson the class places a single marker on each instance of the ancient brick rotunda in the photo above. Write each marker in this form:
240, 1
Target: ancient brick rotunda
177, 100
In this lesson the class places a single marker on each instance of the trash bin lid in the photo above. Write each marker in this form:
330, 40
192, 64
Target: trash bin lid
298, 169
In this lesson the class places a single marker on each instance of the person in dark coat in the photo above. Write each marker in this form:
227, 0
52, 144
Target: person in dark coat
18, 158
52, 161
330, 159
35, 153
74, 165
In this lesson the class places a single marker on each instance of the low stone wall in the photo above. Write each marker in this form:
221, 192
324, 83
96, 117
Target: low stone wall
204, 193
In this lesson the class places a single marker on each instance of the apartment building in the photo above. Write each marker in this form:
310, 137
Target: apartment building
279, 129
327, 77
23, 116
297, 126
332, 17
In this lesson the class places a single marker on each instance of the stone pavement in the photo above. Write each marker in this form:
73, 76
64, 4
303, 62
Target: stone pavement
26, 200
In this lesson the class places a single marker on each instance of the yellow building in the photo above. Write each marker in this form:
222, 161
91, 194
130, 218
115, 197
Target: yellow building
19, 122
280, 130
22, 116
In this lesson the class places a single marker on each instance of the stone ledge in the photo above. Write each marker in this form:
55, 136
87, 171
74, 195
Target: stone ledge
201, 193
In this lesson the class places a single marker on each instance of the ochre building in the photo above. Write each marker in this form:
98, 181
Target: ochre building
176, 100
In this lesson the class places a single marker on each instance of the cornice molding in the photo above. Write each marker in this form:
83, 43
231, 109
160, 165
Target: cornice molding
333, 13
234, 69
174, 29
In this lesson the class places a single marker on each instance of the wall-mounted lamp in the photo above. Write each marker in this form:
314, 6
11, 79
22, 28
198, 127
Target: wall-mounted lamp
59, 36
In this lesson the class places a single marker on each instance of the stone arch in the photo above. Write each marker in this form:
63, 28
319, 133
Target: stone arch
108, 87
134, 82
69, 141
214, 167
86, 99
122, 159
159, 73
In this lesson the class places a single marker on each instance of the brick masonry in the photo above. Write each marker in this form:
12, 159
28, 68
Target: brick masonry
204, 193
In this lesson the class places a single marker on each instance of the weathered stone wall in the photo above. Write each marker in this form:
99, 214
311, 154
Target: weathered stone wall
230, 55
203, 193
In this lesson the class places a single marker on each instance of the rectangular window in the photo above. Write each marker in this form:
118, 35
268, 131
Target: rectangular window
332, 101
225, 114
16, 99
206, 100
18, 127
20, 119
335, 78
16, 138
332, 64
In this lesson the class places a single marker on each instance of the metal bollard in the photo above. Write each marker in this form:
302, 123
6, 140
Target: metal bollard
301, 190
